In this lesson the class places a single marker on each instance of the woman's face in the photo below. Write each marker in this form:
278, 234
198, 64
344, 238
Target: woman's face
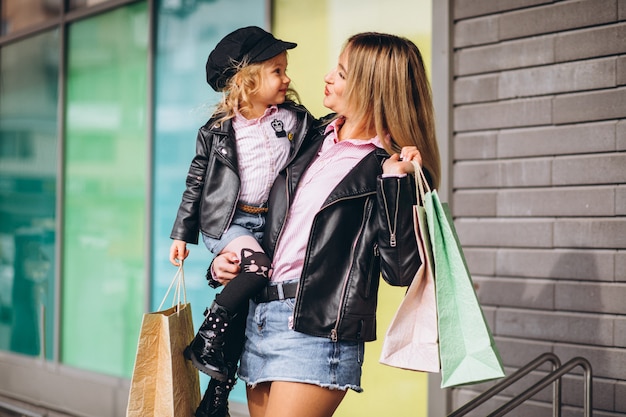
335, 85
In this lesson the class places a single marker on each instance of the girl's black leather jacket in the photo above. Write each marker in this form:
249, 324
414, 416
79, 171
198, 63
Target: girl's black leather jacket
210, 198
364, 228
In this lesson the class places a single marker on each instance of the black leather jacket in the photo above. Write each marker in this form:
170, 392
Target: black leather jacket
364, 228
210, 199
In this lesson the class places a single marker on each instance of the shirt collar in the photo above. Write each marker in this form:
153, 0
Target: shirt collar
333, 127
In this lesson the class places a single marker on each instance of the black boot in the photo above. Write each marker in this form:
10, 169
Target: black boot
206, 349
215, 400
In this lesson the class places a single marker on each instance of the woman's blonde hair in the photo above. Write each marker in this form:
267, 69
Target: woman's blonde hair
246, 82
387, 90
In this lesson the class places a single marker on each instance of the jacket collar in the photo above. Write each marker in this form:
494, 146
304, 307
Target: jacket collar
365, 182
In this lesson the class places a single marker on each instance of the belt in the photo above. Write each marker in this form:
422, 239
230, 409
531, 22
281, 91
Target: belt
251, 209
279, 291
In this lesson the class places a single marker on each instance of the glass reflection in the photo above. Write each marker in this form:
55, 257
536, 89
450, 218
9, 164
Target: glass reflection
105, 190
28, 167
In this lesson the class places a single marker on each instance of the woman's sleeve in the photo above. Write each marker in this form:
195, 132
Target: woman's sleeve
187, 224
399, 256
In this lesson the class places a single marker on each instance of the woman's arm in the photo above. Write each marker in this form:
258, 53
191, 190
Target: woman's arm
396, 197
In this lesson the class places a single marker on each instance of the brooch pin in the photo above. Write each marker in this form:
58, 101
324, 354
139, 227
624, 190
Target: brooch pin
279, 128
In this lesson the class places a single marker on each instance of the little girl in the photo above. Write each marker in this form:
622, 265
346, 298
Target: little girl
252, 135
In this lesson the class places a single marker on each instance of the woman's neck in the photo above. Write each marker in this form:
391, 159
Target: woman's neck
351, 130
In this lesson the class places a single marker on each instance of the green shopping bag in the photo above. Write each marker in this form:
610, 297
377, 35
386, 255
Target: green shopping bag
467, 350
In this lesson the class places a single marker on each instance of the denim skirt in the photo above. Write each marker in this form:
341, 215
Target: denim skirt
243, 224
275, 352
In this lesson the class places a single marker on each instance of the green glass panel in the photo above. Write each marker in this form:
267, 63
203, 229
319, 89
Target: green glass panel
105, 190
28, 176
187, 32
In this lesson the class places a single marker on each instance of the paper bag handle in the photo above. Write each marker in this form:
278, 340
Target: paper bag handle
421, 185
179, 280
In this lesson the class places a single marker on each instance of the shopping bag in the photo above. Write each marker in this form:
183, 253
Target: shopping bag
467, 350
164, 384
411, 338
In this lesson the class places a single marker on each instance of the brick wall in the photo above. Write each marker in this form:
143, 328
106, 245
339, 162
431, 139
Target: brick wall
539, 185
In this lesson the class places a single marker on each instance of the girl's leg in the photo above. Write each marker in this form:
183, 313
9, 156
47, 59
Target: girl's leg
255, 272
288, 399
206, 350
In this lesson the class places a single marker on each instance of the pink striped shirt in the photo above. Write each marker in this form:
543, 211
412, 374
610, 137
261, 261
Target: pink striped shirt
262, 151
335, 159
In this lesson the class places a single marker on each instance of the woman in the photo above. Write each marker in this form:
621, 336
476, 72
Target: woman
349, 189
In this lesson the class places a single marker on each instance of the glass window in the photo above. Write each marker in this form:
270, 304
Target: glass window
187, 32
28, 181
104, 220
21, 14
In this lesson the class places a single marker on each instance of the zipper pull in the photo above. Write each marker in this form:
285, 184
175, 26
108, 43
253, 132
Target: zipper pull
392, 240
333, 335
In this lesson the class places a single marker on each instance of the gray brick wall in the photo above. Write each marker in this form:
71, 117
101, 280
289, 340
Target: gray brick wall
539, 187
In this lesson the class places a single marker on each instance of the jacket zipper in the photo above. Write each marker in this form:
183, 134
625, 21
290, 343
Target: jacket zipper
392, 230
369, 275
234, 208
282, 226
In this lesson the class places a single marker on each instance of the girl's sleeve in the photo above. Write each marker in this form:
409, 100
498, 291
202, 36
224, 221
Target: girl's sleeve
187, 224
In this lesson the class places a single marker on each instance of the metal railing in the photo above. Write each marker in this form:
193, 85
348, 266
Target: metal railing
554, 378
22, 412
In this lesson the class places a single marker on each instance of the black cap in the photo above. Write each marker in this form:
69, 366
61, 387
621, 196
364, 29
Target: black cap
250, 44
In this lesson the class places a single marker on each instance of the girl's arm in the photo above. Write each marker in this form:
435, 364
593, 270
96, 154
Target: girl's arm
178, 252
187, 224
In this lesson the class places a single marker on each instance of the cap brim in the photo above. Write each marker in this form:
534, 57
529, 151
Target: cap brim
274, 49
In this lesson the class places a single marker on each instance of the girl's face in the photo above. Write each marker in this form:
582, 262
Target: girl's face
274, 82
335, 85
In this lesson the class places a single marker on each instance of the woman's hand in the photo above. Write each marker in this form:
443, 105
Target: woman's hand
401, 164
178, 252
225, 267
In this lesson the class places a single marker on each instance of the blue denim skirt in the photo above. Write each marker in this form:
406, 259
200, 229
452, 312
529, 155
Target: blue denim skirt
275, 352
243, 224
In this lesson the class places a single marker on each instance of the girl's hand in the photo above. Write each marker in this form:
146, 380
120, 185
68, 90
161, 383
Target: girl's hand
178, 252
225, 267
401, 164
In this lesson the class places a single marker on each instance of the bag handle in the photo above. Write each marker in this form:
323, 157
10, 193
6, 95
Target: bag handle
421, 185
179, 280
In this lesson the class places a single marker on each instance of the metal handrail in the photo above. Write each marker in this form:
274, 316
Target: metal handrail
510, 380
19, 410
547, 380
